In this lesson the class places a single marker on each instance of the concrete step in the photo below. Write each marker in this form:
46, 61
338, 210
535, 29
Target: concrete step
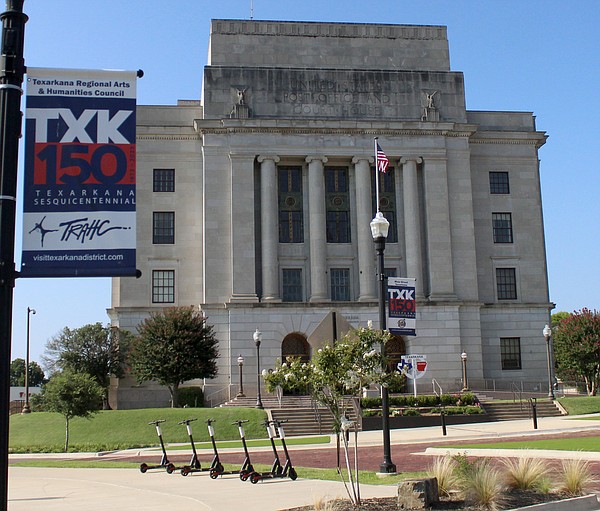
513, 411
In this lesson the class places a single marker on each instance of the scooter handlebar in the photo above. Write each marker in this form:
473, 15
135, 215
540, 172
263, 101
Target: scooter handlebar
187, 421
239, 423
210, 421
154, 423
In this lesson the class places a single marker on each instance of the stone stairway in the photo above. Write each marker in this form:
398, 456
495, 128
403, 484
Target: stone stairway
302, 418
505, 410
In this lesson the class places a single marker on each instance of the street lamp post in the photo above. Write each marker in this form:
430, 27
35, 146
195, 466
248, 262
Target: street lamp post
379, 230
548, 336
26, 408
465, 382
241, 365
257, 338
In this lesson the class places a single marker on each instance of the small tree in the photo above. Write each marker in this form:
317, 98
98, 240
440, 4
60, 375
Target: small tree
336, 372
72, 395
174, 346
17, 373
577, 347
97, 350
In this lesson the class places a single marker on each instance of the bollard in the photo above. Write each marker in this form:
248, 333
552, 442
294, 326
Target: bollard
443, 417
533, 402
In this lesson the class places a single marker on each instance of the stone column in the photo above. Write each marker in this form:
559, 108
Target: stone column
243, 282
364, 215
439, 239
269, 232
412, 221
317, 226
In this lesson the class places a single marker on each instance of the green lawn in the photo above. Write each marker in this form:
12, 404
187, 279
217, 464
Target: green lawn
591, 444
581, 405
122, 429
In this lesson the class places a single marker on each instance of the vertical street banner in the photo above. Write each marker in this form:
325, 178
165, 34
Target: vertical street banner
402, 306
79, 189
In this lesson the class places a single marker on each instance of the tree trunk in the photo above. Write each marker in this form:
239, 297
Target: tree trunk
67, 435
105, 403
174, 390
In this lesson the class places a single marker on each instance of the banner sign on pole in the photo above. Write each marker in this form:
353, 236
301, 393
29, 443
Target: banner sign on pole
79, 190
402, 306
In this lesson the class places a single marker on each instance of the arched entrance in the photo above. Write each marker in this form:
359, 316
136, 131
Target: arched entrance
295, 345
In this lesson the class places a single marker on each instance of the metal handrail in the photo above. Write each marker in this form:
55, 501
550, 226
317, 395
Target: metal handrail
516, 390
434, 382
219, 396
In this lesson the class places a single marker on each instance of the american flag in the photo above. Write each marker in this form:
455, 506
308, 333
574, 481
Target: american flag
382, 160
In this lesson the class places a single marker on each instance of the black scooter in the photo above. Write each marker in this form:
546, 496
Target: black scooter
195, 465
246, 468
164, 461
277, 471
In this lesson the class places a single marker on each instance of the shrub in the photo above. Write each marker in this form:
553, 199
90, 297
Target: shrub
412, 412
482, 485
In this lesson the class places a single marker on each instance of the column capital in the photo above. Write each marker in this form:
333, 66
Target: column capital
264, 157
316, 157
356, 159
406, 159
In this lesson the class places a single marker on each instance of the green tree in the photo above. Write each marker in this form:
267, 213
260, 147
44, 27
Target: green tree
72, 395
97, 350
17, 373
576, 340
174, 346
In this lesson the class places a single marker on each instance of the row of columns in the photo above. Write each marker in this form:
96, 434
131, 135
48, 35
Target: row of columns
317, 226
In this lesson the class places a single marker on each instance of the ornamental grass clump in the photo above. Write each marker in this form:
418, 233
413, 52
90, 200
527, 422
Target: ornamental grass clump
576, 477
480, 483
526, 474
444, 470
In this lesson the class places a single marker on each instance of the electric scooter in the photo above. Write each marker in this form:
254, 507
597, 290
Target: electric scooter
164, 461
246, 468
277, 471
195, 465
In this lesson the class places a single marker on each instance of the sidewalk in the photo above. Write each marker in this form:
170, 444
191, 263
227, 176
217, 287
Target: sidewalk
48, 489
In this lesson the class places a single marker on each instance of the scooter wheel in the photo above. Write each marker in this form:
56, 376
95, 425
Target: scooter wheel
143, 468
185, 471
254, 478
244, 475
170, 468
214, 474
293, 475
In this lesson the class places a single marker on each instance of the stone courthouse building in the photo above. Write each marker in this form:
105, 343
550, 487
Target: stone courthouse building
254, 205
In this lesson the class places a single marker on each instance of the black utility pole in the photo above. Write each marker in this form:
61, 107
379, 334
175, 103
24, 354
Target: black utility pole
12, 69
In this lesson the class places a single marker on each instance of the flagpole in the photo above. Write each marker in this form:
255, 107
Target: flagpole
376, 173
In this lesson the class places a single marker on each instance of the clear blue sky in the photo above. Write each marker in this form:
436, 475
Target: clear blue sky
540, 56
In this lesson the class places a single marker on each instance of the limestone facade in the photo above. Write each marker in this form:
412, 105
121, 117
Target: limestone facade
267, 223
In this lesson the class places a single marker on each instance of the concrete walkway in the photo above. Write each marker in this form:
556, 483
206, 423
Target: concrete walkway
49, 489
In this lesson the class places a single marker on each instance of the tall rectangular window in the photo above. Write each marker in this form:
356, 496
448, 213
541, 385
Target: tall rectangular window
387, 200
502, 227
337, 200
510, 353
499, 183
292, 285
163, 227
340, 284
291, 214
163, 286
163, 180
506, 283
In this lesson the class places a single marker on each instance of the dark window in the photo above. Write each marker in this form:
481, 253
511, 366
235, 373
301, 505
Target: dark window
502, 227
291, 224
387, 200
340, 284
499, 183
163, 227
510, 352
292, 285
163, 286
337, 200
295, 346
164, 180
506, 283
